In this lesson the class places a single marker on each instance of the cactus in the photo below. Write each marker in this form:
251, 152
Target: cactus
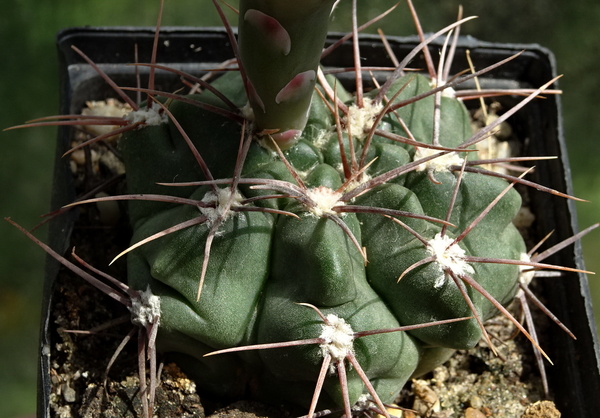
318, 245
414, 237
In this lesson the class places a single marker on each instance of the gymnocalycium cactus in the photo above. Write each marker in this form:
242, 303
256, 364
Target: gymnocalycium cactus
314, 235
378, 221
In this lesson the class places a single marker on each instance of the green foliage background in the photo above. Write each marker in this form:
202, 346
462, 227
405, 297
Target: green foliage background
29, 89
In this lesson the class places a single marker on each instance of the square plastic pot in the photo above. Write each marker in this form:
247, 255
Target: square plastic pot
574, 379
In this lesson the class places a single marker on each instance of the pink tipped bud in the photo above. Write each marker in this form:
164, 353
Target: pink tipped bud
286, 139
300, 85
271, 29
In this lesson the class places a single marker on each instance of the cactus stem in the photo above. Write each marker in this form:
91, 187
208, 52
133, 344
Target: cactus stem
337, 338
324, 202
296, 87
361, 120
271, 29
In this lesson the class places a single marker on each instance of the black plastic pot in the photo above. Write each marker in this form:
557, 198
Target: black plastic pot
575, 378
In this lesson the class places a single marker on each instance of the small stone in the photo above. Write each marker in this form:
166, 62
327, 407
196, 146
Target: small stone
426, 400
475, 402
474, 413
69, 394
542, 409
396, 413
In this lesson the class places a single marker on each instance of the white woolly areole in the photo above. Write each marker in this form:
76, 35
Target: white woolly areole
447, 92
147, 116
145, 310
247, 111
361, 119
363, 403
338, 336
441, 163
325, 199
525, 277
220, 199
452, 258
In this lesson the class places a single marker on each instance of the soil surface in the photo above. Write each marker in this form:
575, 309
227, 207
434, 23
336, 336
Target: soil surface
472, 384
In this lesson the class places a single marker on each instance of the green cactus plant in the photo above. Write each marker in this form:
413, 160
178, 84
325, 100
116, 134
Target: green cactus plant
335, 238
270, 194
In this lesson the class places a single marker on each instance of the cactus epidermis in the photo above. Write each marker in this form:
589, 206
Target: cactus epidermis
261, 263
373, 217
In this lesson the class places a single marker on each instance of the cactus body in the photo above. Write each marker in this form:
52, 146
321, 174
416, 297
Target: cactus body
262, 264
327, 245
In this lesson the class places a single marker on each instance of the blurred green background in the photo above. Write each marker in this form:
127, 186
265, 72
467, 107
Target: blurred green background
29, 88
